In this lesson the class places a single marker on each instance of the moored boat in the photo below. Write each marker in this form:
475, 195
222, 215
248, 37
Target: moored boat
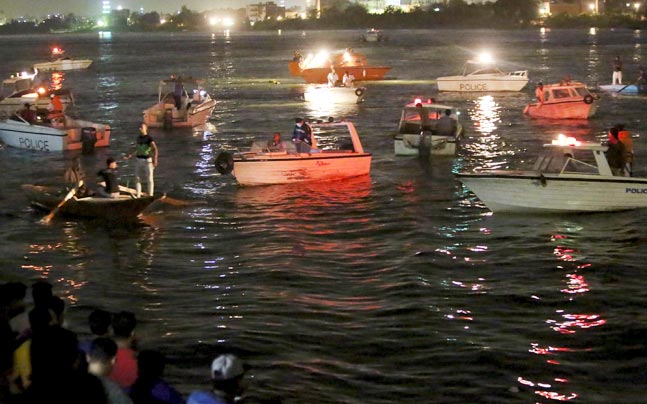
418, 130
315, 68
483, 75
60, 135
564, 100
570, 176
336, 153
176, 107
125, 207
61, 63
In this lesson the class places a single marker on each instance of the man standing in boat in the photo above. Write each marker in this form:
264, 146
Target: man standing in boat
146, 161
332, 77
302, 136
616, 153
539, 93
617, 71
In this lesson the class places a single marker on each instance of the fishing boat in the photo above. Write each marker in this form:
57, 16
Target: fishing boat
323, 94
336, 153
62, 134
21, 89
482, 75
629, 89
564, 100
372, 35
570, 176
61, 63
417, 130
314, 68
177, 107
125, 207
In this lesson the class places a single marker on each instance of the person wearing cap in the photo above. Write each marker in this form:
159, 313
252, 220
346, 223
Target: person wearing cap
227, 372
108, 180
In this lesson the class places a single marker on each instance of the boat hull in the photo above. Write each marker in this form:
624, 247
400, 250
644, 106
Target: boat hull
334, 95
301, 167
113, 209
58, 65
467, 84
155, 116
47, 138
551, 193
320, 74
409, 145
630, 89
561, 110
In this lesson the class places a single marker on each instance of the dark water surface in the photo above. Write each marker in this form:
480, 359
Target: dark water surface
401, 287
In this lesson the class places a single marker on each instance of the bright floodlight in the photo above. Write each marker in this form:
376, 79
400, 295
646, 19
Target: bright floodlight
228, 21
213, 21
485, 58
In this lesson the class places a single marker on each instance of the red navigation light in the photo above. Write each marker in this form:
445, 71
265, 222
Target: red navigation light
56, 50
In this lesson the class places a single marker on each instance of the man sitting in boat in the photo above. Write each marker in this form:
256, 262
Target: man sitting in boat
446, 125
348, 80
28, 114
109, 184
276, 144
616, 153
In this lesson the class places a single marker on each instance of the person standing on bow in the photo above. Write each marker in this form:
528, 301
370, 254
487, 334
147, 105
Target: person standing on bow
146, 161
617, 71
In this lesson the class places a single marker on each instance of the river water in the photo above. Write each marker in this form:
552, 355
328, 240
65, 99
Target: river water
401, 287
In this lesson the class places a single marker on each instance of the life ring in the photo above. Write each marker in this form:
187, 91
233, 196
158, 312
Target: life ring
588, 99
224, 163
359, 92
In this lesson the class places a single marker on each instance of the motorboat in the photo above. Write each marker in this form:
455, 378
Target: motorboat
570, 176
314, 68
21, 89
564, 100
373, 35
417, 132
324, 94
61, 134
482, 75
177, 107
61, 63
126, 207
336, 153
628, 89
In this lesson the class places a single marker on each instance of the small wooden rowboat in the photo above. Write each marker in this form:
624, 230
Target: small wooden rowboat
126, 207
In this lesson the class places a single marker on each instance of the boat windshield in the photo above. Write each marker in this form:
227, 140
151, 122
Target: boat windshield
582, 91
563, 161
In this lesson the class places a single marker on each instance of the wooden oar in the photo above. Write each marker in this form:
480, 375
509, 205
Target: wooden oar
69, 196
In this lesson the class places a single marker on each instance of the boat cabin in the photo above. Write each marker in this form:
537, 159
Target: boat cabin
567, 92
173, 92
411, 120
568, 156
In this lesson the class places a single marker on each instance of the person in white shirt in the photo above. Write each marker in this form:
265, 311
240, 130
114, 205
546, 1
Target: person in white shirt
348, 80
332, 77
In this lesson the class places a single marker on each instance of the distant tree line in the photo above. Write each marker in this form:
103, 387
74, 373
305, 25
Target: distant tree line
344, 14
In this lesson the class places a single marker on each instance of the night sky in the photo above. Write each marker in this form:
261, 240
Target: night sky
40, 8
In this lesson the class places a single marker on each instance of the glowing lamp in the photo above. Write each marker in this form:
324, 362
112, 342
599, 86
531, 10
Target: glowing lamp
562, 140
41, 90
417, 101
485, 58
57, 50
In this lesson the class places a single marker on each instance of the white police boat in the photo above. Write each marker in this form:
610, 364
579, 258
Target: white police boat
483, 76
571, 176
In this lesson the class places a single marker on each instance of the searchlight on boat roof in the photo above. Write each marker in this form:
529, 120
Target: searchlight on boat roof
41, 90
57, 51
485, 58
563, 140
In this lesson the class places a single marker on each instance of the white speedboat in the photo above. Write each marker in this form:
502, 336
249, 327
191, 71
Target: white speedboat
179, 107
66, 134
482, 75
323, 94
571, 176
21, 89
373, 35
417, 130
61, 63
336, 153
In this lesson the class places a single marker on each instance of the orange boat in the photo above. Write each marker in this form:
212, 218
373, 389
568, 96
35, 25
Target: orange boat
566, 100
315, 68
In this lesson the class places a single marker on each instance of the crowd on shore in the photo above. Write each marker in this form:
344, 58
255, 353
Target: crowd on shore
43, 361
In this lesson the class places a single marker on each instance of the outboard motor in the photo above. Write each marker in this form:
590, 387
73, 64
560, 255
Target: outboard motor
168, 119
88, 140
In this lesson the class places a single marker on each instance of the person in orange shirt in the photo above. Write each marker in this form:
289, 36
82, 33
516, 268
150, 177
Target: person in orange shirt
539, 93
55, 108
625, 138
